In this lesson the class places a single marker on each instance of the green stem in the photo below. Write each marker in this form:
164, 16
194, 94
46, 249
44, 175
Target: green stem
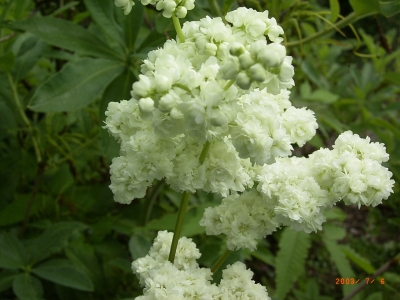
220, 261
179, 225
204, 152
344, 22
182, 210
24, 117
178, 28
229, 84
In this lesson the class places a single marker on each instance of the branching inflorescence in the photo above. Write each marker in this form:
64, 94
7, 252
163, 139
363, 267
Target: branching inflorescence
221, 91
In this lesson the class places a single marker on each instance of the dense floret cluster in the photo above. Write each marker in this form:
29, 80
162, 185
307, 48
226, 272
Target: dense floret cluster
177, 8
191, 93
184, 279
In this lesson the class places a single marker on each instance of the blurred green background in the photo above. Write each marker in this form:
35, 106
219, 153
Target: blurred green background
61, 234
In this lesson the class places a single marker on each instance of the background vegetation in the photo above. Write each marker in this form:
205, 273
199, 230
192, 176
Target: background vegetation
61, 234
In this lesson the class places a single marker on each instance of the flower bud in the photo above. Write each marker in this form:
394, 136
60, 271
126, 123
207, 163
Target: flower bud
125, 4
243, 81
246, 61
146, 105
142, 87
273, 55
257, 72
181, 12
218, 118
211, 49
236, 49
166, 103
286, 72
229, 70
162, 83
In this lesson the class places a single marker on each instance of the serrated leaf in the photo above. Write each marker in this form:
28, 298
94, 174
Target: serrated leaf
67, 35
362, 7
53, 239
15, 211
333, 232
290, 259
341, 263
12, 252
27, 287
76, 85
356, 258
63, 272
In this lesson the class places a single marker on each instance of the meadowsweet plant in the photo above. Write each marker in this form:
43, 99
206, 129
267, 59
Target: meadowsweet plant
211, 112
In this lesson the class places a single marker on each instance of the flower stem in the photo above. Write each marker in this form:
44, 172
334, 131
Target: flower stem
182, 210
178, 225
220, 261
178, 28
204, 152
24, 117
228, 84
346, 21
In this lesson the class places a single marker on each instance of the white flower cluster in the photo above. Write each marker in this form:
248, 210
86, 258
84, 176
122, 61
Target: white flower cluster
186, 97
244, 219
184, 279
178, 8
295, 191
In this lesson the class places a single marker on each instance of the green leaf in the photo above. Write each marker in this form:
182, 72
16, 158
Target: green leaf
27, 287
63, 272
84, 257
102, 12
362, 7
333, 232
139, 246
393, 77
7, 62
292, 254
27, 56
356, 258
341, 263
53, 239
131, 24
335, 10
323, 96
75, 86
390, 8
6, 279
12, 252
67, 35
264, 256
15, 211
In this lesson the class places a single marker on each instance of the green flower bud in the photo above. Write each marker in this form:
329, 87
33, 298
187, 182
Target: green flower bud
236, 49
246, 61
243, 81
257, 72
